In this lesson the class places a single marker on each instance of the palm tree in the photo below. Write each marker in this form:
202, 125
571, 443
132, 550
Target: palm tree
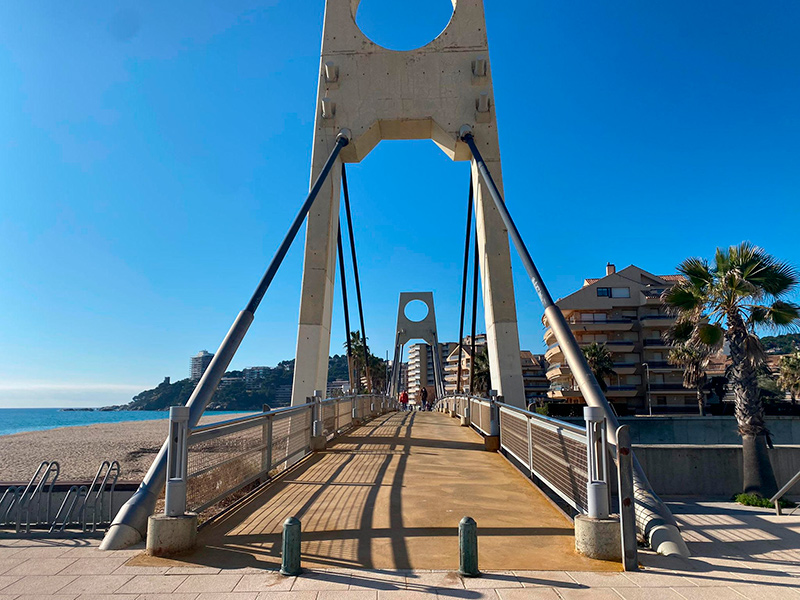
743, 289
481, 377
600, 362
693, 359
356, 359
789, 375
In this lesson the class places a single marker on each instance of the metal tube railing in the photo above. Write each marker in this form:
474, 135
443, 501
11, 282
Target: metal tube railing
130, 524
776, 499
655, 520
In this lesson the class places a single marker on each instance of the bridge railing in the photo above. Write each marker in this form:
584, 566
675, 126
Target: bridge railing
553, 451
225, 457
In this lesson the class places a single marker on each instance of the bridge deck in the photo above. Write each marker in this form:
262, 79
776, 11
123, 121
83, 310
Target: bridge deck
390, 496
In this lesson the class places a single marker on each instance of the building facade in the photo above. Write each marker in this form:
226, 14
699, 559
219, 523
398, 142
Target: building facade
622, 311
534, 377
199, 364
420, 368
451, 363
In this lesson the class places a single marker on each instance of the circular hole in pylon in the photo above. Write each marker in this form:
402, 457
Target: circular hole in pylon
416, 310
403, 24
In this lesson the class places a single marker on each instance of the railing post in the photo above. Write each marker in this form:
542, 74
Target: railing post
627, 510
177, 461
597, 480
318, 438
269, 427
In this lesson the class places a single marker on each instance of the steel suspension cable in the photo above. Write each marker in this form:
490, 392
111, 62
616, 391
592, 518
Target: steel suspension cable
345, 305
464, 286
355, 276
474, 314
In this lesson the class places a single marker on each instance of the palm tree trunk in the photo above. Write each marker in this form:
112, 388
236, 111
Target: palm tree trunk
759, 477
701, 401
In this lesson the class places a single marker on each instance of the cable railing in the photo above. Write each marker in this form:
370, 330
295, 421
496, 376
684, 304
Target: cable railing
223, 458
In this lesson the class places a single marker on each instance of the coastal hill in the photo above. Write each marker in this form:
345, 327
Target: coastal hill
235, 394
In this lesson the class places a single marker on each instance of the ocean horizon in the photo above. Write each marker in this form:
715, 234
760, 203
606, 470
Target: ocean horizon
20, 420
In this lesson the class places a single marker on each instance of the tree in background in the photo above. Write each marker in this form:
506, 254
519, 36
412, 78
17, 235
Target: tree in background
693, 359
481, 376
600, 362
789, 375
743, 289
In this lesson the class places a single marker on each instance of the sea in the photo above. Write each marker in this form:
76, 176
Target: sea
17, 420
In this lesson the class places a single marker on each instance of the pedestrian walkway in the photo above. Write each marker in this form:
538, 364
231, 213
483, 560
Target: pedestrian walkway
390, 496
738, 553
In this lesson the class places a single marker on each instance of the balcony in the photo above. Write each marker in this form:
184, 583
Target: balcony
553, 353
625, 368
668, 387
549, 337
661, 365
615, 345
622, 391
656, 343
560, 391
557, 370
657, 320
607, 325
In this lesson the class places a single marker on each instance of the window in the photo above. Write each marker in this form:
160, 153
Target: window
603, 292
621, 292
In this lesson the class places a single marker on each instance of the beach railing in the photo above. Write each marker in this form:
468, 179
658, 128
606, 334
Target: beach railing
223, 458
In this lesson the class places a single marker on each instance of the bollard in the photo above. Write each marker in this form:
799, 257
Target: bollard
177, 459
468, 548
290, 556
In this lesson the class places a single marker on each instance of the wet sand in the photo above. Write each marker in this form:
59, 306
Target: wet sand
80, 450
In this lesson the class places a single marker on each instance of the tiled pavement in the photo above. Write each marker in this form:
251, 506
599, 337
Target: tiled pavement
738, 553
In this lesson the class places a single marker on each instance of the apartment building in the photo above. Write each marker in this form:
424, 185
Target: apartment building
622, 310
534, 376
199, 364
420, 367
451, 362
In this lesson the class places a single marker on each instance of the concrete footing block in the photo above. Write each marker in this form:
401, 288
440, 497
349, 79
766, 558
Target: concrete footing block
464, 422
453, 414
598, 538
491, 443
168, 536
318, 442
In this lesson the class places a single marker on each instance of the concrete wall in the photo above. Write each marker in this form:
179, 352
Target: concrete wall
700, 431
708, 471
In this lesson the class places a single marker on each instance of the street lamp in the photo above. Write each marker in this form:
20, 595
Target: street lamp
647, 377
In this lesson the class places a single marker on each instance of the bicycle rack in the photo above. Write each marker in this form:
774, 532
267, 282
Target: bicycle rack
11, 495
31, 496
75, 493
93, 503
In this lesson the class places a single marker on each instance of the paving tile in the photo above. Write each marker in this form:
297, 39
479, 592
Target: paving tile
264, 582
302, 595
557, 579
660, 580
707, 593
41, 566
377, 580
348, 595
43, 585
9, 597
492, 581
209, 583
228, 596
42, 552
45, 597
593, 594
93, 565
107, 597
10, 563
661, 593
95, 584
322, 580
152, 584
402, 595
529, 593
768, 592
136, 570
167, 597
7, 580
601, 580
425, 581
195, 571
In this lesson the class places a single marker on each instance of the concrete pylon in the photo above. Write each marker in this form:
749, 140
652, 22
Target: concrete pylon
427, 93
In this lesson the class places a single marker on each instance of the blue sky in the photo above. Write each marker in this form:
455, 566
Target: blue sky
153, 154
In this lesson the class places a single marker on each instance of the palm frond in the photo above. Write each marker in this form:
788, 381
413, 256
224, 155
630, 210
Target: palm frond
710, 334
682, 297
697, 271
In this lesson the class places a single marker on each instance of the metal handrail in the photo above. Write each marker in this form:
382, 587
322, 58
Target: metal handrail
776, 499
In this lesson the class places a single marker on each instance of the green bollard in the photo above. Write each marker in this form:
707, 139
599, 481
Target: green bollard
468, 548
290, 557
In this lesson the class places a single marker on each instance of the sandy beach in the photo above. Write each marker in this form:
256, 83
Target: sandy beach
80, 450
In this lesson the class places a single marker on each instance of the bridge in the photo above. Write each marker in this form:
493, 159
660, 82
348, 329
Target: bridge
374, 487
